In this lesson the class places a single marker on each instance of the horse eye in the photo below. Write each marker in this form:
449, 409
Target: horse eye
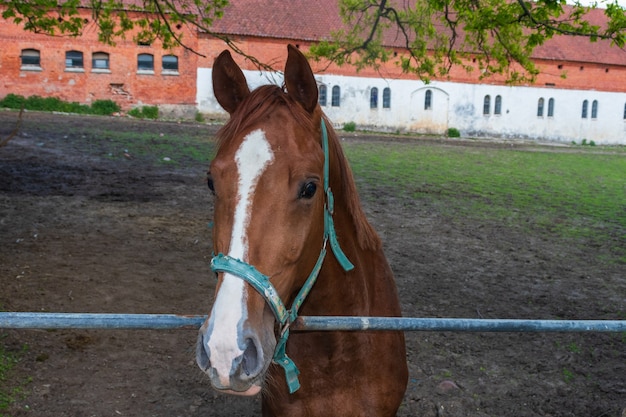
308, 190
209, 181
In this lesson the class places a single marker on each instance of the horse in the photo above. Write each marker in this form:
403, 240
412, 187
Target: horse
283, 191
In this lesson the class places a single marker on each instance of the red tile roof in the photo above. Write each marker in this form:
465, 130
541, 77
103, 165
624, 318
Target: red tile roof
311, 20
308, 20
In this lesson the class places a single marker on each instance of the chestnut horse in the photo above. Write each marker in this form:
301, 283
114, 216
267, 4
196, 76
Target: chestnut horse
273, 178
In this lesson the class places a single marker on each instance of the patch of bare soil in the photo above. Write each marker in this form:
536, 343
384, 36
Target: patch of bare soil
83, 230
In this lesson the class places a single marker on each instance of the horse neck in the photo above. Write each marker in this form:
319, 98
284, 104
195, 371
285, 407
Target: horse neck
369, 286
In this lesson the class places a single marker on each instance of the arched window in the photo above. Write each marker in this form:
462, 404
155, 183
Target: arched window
428, 100
73, 59
373, 98
487, 105
170, 63
145, 62
335, 100
551, 107
386, 98
30, 58
585, 105
540, 107
323, 97
497, 106
594, 109
100, 61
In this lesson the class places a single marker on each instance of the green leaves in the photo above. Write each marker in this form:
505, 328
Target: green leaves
432, 36
161, 20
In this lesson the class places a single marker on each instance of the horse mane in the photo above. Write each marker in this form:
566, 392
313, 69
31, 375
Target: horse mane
366, 235
264, 100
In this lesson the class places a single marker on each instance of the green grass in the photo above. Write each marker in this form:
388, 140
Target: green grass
9, 391
573, 194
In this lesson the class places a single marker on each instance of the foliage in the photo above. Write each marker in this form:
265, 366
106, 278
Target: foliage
101, 107
490, 36
105, 107
12, 101
145, 112
162, 21
484, 35
453, 132
349, 127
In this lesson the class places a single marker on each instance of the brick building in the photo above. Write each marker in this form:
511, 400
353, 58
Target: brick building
579, 94
83, 69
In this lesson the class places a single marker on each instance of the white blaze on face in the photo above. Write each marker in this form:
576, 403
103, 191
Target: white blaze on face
252, 158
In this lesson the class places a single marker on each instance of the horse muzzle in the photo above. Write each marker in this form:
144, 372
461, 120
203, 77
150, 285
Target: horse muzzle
232, 369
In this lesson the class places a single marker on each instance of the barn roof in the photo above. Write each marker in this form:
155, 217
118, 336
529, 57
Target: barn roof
308, 20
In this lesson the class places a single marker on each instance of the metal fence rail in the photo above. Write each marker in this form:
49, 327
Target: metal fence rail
305, 323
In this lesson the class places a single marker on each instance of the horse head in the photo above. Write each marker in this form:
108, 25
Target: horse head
267, 179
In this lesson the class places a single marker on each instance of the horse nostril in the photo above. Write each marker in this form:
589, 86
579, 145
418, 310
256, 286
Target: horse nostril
250, 359
202, 356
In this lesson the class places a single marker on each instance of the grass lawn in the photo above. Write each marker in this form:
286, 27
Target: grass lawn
575, 192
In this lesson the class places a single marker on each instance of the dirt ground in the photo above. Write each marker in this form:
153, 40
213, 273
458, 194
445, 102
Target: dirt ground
85, 229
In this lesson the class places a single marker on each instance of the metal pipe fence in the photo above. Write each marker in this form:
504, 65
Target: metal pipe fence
10, 320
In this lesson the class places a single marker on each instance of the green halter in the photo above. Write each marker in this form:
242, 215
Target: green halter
261, 283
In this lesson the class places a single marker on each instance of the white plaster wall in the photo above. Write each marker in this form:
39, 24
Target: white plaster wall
457, 105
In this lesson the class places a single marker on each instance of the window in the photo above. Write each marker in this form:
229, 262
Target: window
73, 59
387, 98
170, 63
540, 107
594, 109
373, 98
497, 106
336, 96
145, 62
30, 59
323, 98
100, 61
585, 105
551, 107
428, 100
487, 105
624, 111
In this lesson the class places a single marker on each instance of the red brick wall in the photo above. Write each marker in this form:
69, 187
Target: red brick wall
122, 83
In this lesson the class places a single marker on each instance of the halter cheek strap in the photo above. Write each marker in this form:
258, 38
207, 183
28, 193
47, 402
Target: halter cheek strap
261, 283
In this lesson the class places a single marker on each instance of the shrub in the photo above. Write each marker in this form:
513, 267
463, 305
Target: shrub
104, 107
150, 112
145, 112
453, 132
75, 107
43, 103
12, 101
349, 127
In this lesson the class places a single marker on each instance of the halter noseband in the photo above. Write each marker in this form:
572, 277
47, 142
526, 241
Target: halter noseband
261, 283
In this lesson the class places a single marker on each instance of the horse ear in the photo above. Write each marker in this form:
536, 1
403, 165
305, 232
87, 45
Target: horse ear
229, 84
299, 79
